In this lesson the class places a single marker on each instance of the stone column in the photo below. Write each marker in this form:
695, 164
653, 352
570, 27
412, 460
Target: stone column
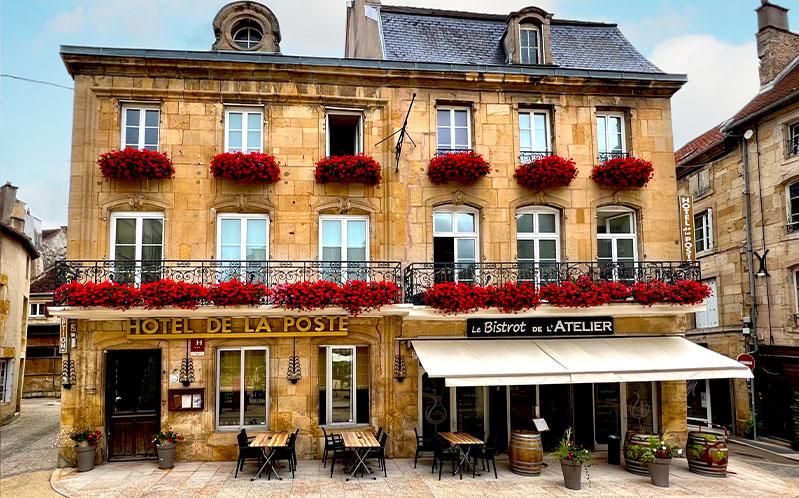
674, 411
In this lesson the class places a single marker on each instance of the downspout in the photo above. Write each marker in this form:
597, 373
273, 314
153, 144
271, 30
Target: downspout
750, 268
763, 229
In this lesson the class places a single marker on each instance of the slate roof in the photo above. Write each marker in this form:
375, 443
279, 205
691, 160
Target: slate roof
45, 282
428, 35
697, 146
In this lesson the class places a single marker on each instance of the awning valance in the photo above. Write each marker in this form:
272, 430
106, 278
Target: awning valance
497, 362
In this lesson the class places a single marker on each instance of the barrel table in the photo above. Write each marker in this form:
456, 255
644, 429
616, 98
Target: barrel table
636, 445
707, 453
525, 453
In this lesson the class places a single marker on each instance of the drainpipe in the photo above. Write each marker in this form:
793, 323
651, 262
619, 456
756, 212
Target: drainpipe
750, 268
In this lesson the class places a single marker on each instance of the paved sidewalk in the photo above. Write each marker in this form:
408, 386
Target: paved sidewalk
749, 478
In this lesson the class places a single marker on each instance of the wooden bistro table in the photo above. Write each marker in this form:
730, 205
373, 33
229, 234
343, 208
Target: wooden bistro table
268, 442
361, 443
464, 442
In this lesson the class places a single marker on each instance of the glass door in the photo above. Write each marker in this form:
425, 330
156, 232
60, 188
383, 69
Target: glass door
435, 406
607, 413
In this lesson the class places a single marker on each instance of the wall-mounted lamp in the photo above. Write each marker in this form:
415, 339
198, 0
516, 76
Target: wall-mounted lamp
294, 372
400, 369
68, 375
762, 270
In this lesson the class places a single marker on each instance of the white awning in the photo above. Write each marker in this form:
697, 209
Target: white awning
498, 362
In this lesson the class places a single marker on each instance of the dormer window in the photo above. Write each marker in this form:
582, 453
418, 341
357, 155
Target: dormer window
247, 35
529, 44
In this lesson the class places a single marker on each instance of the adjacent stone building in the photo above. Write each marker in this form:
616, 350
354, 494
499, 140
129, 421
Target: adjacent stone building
744, 178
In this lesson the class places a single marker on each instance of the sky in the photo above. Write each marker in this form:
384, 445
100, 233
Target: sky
712, 41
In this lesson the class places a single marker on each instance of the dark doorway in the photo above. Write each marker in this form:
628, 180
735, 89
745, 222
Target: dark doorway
557, 410
498, 417
344, 134
435, 406
133, 401
584, 414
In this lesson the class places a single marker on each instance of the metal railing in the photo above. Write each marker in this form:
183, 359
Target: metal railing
454, 150
528, 156
607, 156
793, 146
418, 277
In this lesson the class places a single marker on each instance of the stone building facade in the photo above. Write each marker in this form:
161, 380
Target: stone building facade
744, 177
302, 110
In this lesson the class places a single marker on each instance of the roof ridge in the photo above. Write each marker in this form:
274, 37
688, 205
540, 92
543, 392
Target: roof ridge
780, 76
484, 16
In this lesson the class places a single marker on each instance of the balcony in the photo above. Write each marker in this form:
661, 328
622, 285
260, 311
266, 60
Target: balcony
607, 156
446, 151
528, 156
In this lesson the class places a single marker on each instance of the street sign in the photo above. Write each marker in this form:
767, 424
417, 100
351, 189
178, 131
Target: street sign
197, 347
746, 359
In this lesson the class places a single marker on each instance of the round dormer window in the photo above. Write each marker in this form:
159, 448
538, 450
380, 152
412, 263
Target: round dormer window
247, 35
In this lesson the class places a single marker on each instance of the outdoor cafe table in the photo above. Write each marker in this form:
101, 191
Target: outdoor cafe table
361, 443
269, 441
464, 443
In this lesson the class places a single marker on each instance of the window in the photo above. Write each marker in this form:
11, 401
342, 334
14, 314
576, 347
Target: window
710, 317
243, 237
703, 230
534, 141
610, 136
244, 130
793, 140
343, 244
140, 127
37, 310
792, 196
343, 385
248, 34
137, 246
453, 129
616, 242
528, 45
5, 380
537, 243
242, 379
699, 183
796, 288
344, 133
455, 244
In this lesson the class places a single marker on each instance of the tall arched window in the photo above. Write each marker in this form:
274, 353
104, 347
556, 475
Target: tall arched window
617, 242
537, 243
455, 243
792, 196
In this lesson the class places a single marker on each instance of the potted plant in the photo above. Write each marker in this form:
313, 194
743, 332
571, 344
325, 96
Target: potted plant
358, 168
135, 164
86, 447
250, 167
659, 459
623, 173
572, 458
464, 167
165, 443
546, 172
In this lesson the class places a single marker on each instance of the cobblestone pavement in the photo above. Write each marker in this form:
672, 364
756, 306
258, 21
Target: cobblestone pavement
216, 479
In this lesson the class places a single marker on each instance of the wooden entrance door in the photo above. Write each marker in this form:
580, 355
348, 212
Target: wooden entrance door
133, 401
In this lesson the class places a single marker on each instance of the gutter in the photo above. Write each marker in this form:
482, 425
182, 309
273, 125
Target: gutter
769, 108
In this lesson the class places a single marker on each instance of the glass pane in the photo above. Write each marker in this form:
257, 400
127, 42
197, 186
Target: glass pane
151, 136
255, 387
234, 121
132, 117
524, 223
356, 254
151, 253
698, 399
356, 233
254, 140
234, 140
470, 410
444, 138
522, 407
604, 249
442, 117
131, 136
466, 249
231, 232
541, 132
601, 134
229, 388
607, 416
614, 133
462, 138
254, 121
341, 380
126, 231
331, 233
465, 222
621, 224
624, 249
256, 253
151, 118
125, 253
639, 407
524, 38
331, 254
461, 118
230, 253
525, 249
442, 222
152, 231
256, 232
525, 140
546, 223
435, 406
524, 120
548, 250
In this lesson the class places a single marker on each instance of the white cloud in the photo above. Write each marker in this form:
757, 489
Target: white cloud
722, 77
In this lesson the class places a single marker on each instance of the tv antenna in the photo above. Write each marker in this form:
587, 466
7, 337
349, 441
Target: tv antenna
403, 133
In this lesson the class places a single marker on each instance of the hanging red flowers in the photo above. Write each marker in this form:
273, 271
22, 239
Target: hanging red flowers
580, 293
452, 298
167, 292
348, 169
237, 293
513, 297
547, 172
135, 164
252, 167
624, 172
357, 296
459, 167
105, 294
306, 295
681, 292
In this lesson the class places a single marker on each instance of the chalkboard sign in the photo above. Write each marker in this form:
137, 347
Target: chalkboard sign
539, 327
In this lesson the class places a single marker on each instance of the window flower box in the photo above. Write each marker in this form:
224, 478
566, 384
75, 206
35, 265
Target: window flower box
167, 292
135, 164
682, 292
105, 294
623, 173
348, 169
252, 167
546, 172
237, 293
459, 167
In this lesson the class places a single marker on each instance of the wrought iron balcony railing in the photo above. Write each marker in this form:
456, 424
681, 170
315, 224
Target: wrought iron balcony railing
607, 156
419, 277
453, 150
528, 156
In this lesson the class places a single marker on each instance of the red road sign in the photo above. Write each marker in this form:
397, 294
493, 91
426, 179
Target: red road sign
747, 359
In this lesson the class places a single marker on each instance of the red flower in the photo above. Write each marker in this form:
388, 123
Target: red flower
135, 164
547, 172
306, 295
253, 167
460, 167
105, 294
357, 296
580, 293
452, 298
618, 291
348, 169
167, 292
236, 292
680, 292
513, 297
627, 172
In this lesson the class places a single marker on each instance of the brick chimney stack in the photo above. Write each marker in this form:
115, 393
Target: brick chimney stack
777, 46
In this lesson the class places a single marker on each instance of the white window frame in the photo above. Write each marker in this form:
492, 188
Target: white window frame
536, 236
453, 210
793, 140
139, 217
535, 147
613, 237
329, 385
344, 112
124, 124
6, 378
242, 234
703, 319
796, 290
245, 112
606, 116
344, 218
37, 310
707, 228
451, 146
527, 49
792, 218
268, 399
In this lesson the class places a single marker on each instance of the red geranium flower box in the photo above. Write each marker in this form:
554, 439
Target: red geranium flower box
252, 167
105, 294
547, 172
580, 293
306, 295
452, 298
167, 292
134, 164
348, 169
680, 292
237, 293
459, 167
624, 172
357, 296
513, 297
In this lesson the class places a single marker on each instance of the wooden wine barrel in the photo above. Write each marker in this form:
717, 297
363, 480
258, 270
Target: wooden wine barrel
526, 453
707, 453
635, 446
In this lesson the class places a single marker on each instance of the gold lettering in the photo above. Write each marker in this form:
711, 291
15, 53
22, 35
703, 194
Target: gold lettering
149, 326
342, 323
332, 321
226, 325
247, 327
177, 326
134, 327
288, 322
303, 324
214, 325
320, 324
263, 325
163, 325
186, 328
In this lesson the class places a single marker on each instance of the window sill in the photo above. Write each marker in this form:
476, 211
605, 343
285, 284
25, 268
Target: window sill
701, 195
707, 252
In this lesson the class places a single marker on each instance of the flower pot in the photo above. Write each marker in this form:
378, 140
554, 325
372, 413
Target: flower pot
659, 472
166, 455
572, 474
85, 456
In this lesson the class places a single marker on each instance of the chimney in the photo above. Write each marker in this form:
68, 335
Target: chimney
777, 46
8, 202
